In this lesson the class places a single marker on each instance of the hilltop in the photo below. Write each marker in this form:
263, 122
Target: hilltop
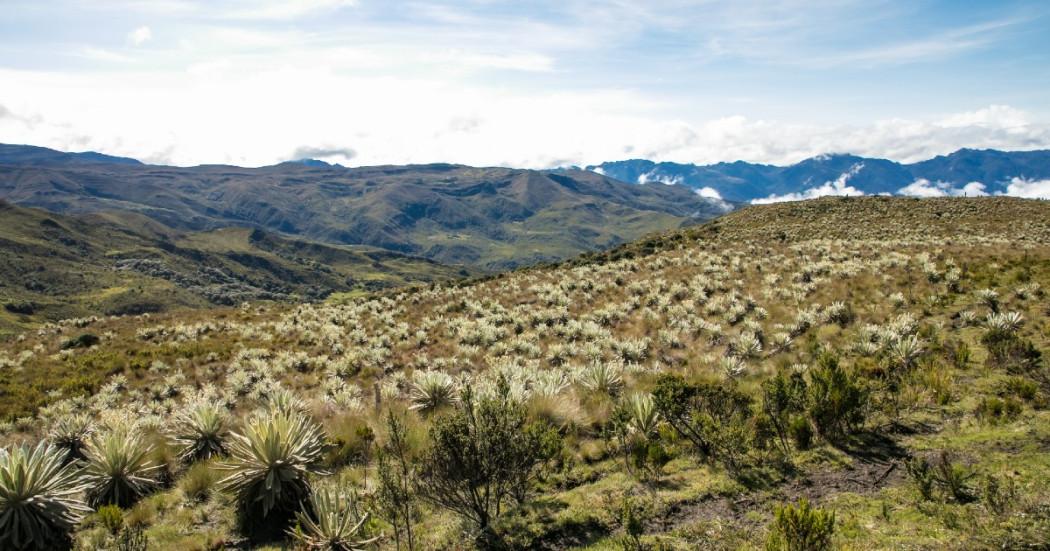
883, 359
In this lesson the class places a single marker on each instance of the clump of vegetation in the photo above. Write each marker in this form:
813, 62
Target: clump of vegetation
484, 455
333, 523
39, 498
201, 431
801, 527
268, 467
119, 468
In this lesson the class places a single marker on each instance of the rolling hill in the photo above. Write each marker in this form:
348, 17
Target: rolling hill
56, 266
483, 217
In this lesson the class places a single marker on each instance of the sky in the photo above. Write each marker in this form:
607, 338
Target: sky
523, 83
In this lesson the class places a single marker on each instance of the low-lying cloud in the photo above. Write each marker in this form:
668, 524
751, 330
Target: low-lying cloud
925, 188
1030, 189
837, 187
324, 153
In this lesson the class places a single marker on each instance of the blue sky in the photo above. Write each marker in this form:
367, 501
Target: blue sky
523, 83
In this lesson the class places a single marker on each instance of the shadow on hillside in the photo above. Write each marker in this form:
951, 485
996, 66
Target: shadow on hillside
873, 447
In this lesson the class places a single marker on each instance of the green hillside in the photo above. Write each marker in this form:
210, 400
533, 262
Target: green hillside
55, 267
843, 373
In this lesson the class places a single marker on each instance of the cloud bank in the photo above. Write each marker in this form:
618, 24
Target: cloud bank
925, 188
1030, 189
837, 187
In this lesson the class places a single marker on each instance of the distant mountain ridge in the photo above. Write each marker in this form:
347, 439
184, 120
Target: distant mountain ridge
489, 218
842, 173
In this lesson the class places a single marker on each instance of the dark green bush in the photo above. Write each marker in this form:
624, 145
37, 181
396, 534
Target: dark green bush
783, 397
837, 399
801, 432
714, 417
483, 454
86, 340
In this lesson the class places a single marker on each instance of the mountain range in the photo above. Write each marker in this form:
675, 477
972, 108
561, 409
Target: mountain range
964, 172
485, 218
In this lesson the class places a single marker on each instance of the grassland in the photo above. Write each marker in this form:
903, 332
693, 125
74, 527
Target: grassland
914, 333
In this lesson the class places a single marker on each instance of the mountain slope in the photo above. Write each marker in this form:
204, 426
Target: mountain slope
883, 358
843, 175
54, 266
487, 217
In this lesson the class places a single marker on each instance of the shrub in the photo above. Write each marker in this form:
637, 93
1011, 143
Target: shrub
942, 478
132, 539
836, 400
801, 432
783, 397
111, 518
352, 441
86, 340
714, 417
119, 470
801, 527
199, 481
484, 453
333, 522
993, 409
38, 498
1008, 351
268, 464
201, 432
396, 489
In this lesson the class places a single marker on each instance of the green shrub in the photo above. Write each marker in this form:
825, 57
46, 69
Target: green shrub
942, 478
801, 432
801, 527
1008, 351
1022, 388
119, 469
39, 504
483, 454
268, 466
132, 539
352, 441
993, 409
837, 400
396, 495
714, 417
783, 397
111, 518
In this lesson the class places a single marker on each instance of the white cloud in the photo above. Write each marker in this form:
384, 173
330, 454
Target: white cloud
1029, 189
709, 192
838, 187
391, 107
660, 178
140, 35
925, 188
